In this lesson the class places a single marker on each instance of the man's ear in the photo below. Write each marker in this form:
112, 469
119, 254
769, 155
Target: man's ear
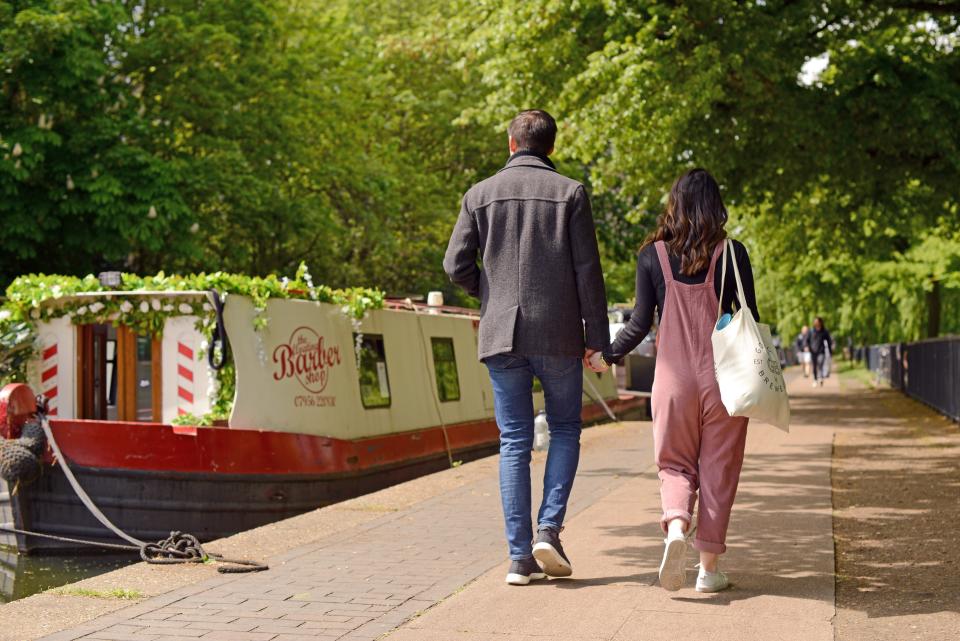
550, 152
512, 145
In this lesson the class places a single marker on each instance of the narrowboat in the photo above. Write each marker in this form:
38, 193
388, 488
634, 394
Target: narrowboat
325, 408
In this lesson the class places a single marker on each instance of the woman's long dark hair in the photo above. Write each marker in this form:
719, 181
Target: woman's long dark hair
692, 224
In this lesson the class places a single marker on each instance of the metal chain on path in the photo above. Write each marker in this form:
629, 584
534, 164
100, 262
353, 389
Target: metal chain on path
179, 547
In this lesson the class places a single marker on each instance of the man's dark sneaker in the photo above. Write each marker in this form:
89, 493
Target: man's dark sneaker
522, 572
550, 553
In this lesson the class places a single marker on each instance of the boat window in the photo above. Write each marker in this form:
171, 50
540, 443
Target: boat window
374, 380
111, 373
445, 365
144, 378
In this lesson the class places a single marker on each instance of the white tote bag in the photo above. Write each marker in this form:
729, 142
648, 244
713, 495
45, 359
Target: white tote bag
746, 363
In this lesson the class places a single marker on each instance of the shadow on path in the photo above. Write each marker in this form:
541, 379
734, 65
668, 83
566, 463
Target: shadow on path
897, 509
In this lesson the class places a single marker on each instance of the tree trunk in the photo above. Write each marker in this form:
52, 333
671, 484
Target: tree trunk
933, 310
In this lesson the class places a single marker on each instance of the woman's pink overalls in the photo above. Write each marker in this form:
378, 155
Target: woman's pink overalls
696, 443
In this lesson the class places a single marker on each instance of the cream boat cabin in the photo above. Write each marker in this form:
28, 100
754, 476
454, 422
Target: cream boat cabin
417, 368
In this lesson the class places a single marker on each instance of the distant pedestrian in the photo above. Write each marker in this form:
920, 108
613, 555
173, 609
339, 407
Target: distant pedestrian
543, 313
821, 346
698, 446
802, 345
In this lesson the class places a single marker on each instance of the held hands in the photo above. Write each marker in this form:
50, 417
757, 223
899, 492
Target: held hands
593, 360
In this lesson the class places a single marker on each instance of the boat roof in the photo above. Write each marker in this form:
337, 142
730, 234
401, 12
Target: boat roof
398, 304
394, 304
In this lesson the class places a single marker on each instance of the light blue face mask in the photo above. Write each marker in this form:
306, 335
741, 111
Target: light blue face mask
724, 321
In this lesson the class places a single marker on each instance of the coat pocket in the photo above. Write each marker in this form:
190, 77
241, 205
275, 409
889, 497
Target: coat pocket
496, 329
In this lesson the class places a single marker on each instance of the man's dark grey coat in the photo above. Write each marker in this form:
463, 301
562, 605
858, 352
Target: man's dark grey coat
541, 286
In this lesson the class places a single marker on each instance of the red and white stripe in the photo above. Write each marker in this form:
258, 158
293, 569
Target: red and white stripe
186, 378
49, 376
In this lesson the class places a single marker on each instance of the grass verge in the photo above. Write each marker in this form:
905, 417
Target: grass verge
856, 372
116, 593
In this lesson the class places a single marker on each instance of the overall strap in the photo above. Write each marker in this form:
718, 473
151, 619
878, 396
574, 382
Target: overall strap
664, 261
717, 251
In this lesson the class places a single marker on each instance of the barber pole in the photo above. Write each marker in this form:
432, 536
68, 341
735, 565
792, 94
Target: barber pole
186, 377
48, 377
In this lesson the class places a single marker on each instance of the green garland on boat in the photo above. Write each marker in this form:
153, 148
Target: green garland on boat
36, 298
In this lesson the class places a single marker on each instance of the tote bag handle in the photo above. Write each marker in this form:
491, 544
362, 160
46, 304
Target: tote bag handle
723, 278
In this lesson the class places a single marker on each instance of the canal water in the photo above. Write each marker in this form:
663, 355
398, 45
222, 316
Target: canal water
21, 575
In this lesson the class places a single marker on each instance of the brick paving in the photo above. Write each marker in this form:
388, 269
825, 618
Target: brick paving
363, 583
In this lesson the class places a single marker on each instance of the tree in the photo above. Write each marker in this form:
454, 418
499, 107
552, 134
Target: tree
828, 172
243, 135
78, 187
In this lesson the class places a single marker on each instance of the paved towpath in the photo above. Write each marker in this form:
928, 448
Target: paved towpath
780, 559
433, 569
365, 581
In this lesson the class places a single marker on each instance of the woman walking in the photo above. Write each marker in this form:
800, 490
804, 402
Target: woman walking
698, 445
821, 346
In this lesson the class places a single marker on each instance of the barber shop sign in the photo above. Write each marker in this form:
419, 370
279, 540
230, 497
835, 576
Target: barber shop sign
308, 358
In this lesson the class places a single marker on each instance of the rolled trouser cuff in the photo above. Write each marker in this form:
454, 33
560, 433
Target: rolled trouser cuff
669, 515
709, 546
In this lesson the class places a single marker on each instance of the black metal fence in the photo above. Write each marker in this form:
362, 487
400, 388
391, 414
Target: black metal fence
928, 371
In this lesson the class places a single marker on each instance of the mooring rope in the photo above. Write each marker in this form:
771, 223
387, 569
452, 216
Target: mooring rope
218, 341
599, 398
179, 547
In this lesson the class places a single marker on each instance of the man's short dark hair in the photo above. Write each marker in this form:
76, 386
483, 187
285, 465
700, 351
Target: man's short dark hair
534, 130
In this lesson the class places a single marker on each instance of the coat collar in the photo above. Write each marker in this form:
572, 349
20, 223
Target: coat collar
525, 158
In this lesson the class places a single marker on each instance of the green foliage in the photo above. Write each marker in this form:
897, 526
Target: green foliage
238, 135
834, 178
16, 348
250, 135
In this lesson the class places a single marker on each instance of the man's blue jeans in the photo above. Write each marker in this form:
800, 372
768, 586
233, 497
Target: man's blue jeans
562, 381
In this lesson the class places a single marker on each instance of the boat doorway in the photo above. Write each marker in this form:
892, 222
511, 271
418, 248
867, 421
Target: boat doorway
120, 375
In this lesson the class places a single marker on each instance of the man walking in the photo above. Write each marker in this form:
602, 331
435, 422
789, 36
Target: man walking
543, 313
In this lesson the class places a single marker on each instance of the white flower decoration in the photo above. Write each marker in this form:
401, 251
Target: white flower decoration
155, 303
5, 314
185, 309
126, 307
96, 307
168, 308
81, 310
34, 313
144, 306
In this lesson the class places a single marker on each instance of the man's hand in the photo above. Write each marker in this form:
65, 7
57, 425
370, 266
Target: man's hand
591, 360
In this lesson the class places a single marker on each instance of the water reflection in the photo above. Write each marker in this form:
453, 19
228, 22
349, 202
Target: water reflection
21, 576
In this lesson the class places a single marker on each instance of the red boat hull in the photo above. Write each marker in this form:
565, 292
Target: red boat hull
151, 478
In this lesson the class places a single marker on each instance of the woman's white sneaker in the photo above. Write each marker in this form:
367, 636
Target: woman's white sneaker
712, 581
673, 567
